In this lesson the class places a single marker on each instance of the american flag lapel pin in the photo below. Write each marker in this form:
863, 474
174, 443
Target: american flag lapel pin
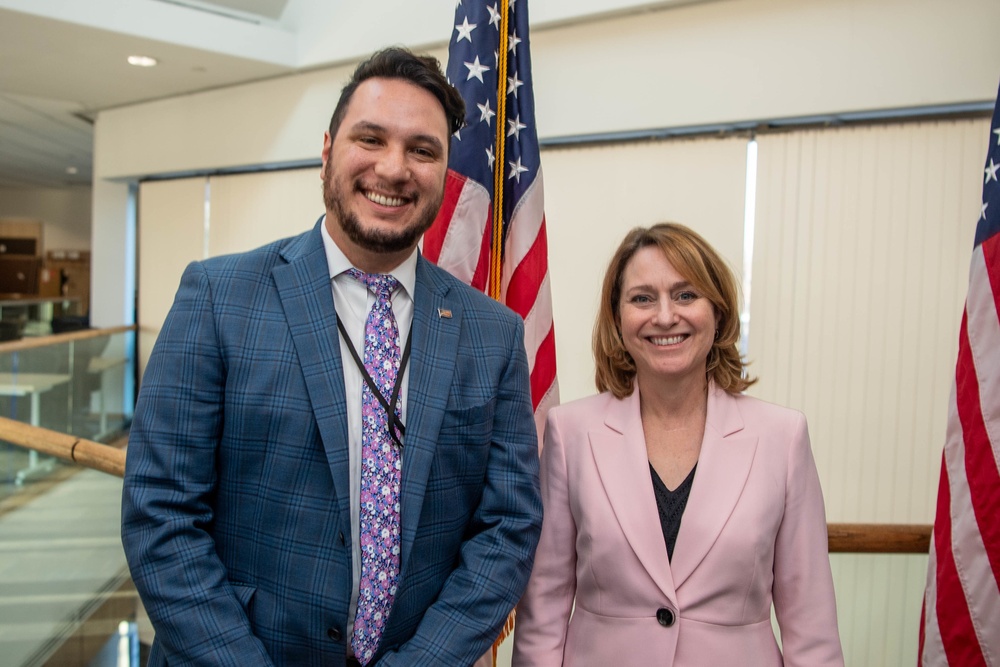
445, 313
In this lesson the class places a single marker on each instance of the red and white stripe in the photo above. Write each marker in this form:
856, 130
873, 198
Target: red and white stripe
960, 624
459, 241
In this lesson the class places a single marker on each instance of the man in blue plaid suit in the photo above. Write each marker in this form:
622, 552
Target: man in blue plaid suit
240, 506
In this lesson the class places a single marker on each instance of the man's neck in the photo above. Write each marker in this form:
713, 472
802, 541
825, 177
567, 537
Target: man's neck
367, 260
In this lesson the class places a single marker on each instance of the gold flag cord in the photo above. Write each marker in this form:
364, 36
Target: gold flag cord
496, 247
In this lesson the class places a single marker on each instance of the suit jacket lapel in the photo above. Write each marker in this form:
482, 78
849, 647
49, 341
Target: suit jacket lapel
432, 364
306, 295
723, 467
620, 453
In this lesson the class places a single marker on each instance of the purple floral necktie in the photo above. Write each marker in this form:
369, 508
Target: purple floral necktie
380, 472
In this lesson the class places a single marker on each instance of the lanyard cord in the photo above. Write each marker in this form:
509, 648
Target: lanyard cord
395, 423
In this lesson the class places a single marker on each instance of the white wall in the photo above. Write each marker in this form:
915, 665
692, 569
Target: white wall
65, 213
112, 286
719, 61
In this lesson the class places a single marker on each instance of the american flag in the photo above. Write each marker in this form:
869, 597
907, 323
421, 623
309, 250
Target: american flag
488, 51
960, 624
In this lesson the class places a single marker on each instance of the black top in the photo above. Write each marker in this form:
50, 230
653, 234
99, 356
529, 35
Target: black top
671, 505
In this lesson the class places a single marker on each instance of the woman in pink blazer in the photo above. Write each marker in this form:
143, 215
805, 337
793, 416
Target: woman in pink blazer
677, 510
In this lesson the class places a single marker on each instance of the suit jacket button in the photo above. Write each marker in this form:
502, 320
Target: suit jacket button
334, 634
341, 536
665, 617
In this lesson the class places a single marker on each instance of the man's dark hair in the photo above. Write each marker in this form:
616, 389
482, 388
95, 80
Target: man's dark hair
400, 63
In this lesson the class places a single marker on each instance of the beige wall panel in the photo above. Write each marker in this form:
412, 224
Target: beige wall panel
250, 210
593, 196
171, 235
271, 121
863, 239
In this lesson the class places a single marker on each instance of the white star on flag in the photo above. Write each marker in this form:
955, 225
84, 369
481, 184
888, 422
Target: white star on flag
982, 212
490, 157
485, 112
991, 171
997, 132
516, 170
514, 41
465, 30
476, 70
515, 127
494, 17
513, 83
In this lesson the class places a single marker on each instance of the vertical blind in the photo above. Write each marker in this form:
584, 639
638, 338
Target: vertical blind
860, 266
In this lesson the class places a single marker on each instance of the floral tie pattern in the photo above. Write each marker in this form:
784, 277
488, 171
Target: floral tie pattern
380, 473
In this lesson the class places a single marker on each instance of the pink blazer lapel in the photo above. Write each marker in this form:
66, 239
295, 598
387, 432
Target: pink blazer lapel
723, 468
623, 465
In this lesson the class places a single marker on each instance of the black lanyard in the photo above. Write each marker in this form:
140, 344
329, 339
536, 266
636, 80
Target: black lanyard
395, 423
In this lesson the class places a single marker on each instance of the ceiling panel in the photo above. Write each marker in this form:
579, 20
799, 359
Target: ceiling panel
40, 140
65, 61
58, 74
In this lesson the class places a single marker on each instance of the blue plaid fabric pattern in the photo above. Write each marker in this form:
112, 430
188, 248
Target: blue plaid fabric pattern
380, 472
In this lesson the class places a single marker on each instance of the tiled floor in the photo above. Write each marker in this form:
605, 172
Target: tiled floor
60, 558
121, 650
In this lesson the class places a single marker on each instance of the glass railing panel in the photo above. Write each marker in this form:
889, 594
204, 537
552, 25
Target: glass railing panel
103, 386
79, 384
64, 587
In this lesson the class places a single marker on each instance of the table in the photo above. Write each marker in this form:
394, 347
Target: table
33, 385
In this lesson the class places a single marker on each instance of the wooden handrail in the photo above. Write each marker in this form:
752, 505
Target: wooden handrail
879, 538
67, 447
55, 339
871, 538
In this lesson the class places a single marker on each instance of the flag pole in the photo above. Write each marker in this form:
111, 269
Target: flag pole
496, 246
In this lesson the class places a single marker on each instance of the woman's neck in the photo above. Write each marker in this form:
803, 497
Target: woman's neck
672, 402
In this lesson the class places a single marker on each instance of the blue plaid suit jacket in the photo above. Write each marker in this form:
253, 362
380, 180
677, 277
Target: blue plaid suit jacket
236, 507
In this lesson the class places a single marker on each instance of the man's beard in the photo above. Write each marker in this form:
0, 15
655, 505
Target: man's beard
377, 240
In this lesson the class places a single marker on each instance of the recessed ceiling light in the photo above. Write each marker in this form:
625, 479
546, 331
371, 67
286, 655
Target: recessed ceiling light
72, 170
142, 61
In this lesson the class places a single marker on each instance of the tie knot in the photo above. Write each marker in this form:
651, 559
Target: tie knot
379, 284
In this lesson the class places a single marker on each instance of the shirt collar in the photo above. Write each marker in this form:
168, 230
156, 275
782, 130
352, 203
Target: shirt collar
337, 262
